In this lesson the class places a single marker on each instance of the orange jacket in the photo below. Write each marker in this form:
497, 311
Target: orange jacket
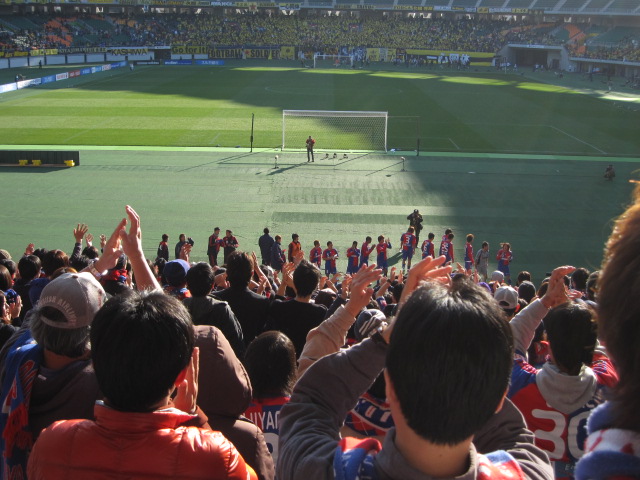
119, 445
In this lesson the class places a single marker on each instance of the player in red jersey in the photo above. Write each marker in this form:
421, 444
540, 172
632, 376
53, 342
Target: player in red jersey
408, 245
381, 249
428, 247
329, 256
315, 255
367, 249
353, 257
469, 261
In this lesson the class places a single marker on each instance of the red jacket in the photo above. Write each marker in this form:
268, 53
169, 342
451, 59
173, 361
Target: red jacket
119, 445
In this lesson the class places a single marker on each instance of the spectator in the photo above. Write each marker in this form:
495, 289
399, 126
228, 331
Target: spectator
265, 242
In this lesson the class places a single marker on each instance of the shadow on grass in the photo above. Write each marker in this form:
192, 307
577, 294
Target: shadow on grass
41, 169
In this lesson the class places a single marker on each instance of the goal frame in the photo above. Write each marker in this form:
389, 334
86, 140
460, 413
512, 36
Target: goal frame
323, 56
335, 114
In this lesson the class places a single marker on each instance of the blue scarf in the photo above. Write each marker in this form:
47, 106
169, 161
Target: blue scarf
22, 365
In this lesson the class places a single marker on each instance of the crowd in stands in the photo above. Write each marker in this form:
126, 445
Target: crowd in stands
113, 365
313, 33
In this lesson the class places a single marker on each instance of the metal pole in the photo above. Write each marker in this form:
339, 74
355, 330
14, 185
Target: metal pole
252, 117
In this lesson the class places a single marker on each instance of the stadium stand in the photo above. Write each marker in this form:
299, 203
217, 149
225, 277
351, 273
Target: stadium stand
627, 6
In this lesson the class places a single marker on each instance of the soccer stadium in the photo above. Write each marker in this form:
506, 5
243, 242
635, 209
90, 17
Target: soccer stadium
501, 134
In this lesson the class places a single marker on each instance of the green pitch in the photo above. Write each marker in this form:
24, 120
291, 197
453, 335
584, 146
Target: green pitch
473, 111
554, 209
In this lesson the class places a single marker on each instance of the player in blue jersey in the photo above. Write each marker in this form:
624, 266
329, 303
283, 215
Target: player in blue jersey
469, 262
381, 249
329, 256
353, 257
428, 247
367, 248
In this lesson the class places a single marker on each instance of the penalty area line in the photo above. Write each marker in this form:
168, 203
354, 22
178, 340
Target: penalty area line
578, 140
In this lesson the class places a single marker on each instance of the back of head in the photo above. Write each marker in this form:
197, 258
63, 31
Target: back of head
64, 313
579, 279
200, 279
266, 231
6, 282
619, 310
239, 269
53, 260
523, 276
270, 361
526, 290
29, 267
572, 333
306, 278
140, 342
449, 359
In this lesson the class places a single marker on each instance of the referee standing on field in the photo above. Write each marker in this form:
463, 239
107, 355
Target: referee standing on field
310, 143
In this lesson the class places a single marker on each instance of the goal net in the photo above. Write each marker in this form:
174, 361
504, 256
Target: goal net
335, 130
332, 61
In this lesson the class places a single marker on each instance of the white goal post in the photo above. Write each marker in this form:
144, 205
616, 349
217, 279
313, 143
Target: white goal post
335, 130
326, 61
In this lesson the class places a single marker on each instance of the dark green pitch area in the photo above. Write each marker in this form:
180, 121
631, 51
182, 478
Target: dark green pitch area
553, 210
479, 110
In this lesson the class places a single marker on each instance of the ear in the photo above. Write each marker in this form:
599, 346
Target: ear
501, 404
181, 376
389, 390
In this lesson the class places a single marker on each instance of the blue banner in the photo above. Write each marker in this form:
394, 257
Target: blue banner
210, 62
177, 62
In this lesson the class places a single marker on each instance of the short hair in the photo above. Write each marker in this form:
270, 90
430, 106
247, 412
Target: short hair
53, 260
6, 282
91, 251
431, 236
135, 375
411, 229
165, 237
526, 291
579, 278
592, 285
572, 334
277, 237
470, 237
266, 230
11, 266
329, 243
217, 229
485, 244
79, 263
306, 277
270, 361
523, 276
316, 243
449, 360
381, 238
181, 236
448, 231
355, 243
239, 268
450, 236
72, 343
200, 279
368, 239
29, 267
294, 236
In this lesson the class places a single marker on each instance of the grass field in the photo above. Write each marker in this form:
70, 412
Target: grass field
212, 106
553, 208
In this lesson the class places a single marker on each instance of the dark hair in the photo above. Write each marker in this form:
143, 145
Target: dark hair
306, 277
592, 285
266, 230
431, 236
526, 291
239, 268
523, 276
368, 239
270, 361
165, 237
79, 262
448, 231
29, 267
200, 279
470, 237
140, 342
11, 266
6, 282
91, 252
485, 244
294, 236
619, 311
381, 238
450, 236
579, 279
53, 260
572, 333
450, 359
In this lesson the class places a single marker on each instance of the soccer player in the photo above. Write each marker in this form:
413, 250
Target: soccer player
428, 247
446, 247
213, 246
504, 257
381, 249
408, 245
353, 257
329, 256
315, 255
294, 247
367, 248
469, 262
310, 143
482, 261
